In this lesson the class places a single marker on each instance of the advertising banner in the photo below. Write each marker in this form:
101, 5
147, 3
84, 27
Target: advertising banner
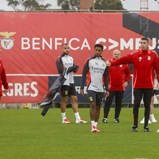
30, 42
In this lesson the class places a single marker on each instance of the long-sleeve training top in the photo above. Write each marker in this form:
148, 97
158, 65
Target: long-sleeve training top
95, 74
118, 75
64, 62
145, 62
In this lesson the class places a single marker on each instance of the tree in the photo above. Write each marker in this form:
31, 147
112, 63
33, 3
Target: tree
108, 5
69, 4
27, 5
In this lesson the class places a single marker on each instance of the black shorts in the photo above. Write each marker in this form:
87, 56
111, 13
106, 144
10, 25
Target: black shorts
155, 93
68, 90
95, 97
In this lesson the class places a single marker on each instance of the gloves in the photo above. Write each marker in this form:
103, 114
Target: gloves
73, 68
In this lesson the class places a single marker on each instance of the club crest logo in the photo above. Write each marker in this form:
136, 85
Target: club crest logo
7, 42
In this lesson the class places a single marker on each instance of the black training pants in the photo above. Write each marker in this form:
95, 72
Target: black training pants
118, 101
146, 94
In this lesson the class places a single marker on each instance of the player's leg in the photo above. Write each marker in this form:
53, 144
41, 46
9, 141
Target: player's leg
93, 109
147, 100
152, 116
137, 100
99, 97
107, 105
64, 98
118, 102
74, 102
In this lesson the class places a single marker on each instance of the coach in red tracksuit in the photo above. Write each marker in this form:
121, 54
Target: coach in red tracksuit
119, 77
145, 61
3, 79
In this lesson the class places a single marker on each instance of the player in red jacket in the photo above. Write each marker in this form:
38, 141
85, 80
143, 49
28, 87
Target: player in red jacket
119, 77
3, 78
145, 61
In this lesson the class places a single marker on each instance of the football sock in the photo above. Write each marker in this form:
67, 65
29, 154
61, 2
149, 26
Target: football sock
63, 115
77, 116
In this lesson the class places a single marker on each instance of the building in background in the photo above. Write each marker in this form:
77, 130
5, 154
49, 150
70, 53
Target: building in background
87, 4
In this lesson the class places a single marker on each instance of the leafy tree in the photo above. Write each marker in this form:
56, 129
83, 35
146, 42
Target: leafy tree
108, 5
69, 4
99, 4
27, 5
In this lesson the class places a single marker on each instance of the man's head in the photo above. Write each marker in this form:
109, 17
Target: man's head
65, 48
144, 43
98, 49
116, 54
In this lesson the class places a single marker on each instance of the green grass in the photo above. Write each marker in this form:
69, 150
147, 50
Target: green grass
25, 134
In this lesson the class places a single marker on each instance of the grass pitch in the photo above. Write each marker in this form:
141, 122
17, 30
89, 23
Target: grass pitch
25, 134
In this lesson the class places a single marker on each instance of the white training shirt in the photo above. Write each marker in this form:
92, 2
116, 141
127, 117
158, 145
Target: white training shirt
68, 62
95, 73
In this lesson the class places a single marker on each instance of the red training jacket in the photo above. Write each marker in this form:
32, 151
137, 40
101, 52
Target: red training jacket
145, 62
3, 78
118, 75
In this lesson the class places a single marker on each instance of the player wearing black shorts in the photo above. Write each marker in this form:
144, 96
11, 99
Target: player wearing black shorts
66, 62
95, 73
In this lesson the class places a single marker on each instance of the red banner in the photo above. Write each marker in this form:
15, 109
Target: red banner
31, 42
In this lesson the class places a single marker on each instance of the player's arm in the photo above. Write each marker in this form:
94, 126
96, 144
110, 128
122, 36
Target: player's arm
84, 76
128, 59
106, 80
156, 66
127, 76
4, 80
59, 65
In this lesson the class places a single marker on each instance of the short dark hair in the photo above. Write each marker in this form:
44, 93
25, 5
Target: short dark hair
98, 45
64, 44
145, 38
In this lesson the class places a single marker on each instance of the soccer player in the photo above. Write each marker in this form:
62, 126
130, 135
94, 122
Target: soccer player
95, 72
155, 94
66, 62
145, 61
3, 79
119, 77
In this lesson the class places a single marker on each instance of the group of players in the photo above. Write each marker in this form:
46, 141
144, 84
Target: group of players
108, 79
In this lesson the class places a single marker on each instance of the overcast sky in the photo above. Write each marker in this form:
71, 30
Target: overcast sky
127, 4
153, 5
